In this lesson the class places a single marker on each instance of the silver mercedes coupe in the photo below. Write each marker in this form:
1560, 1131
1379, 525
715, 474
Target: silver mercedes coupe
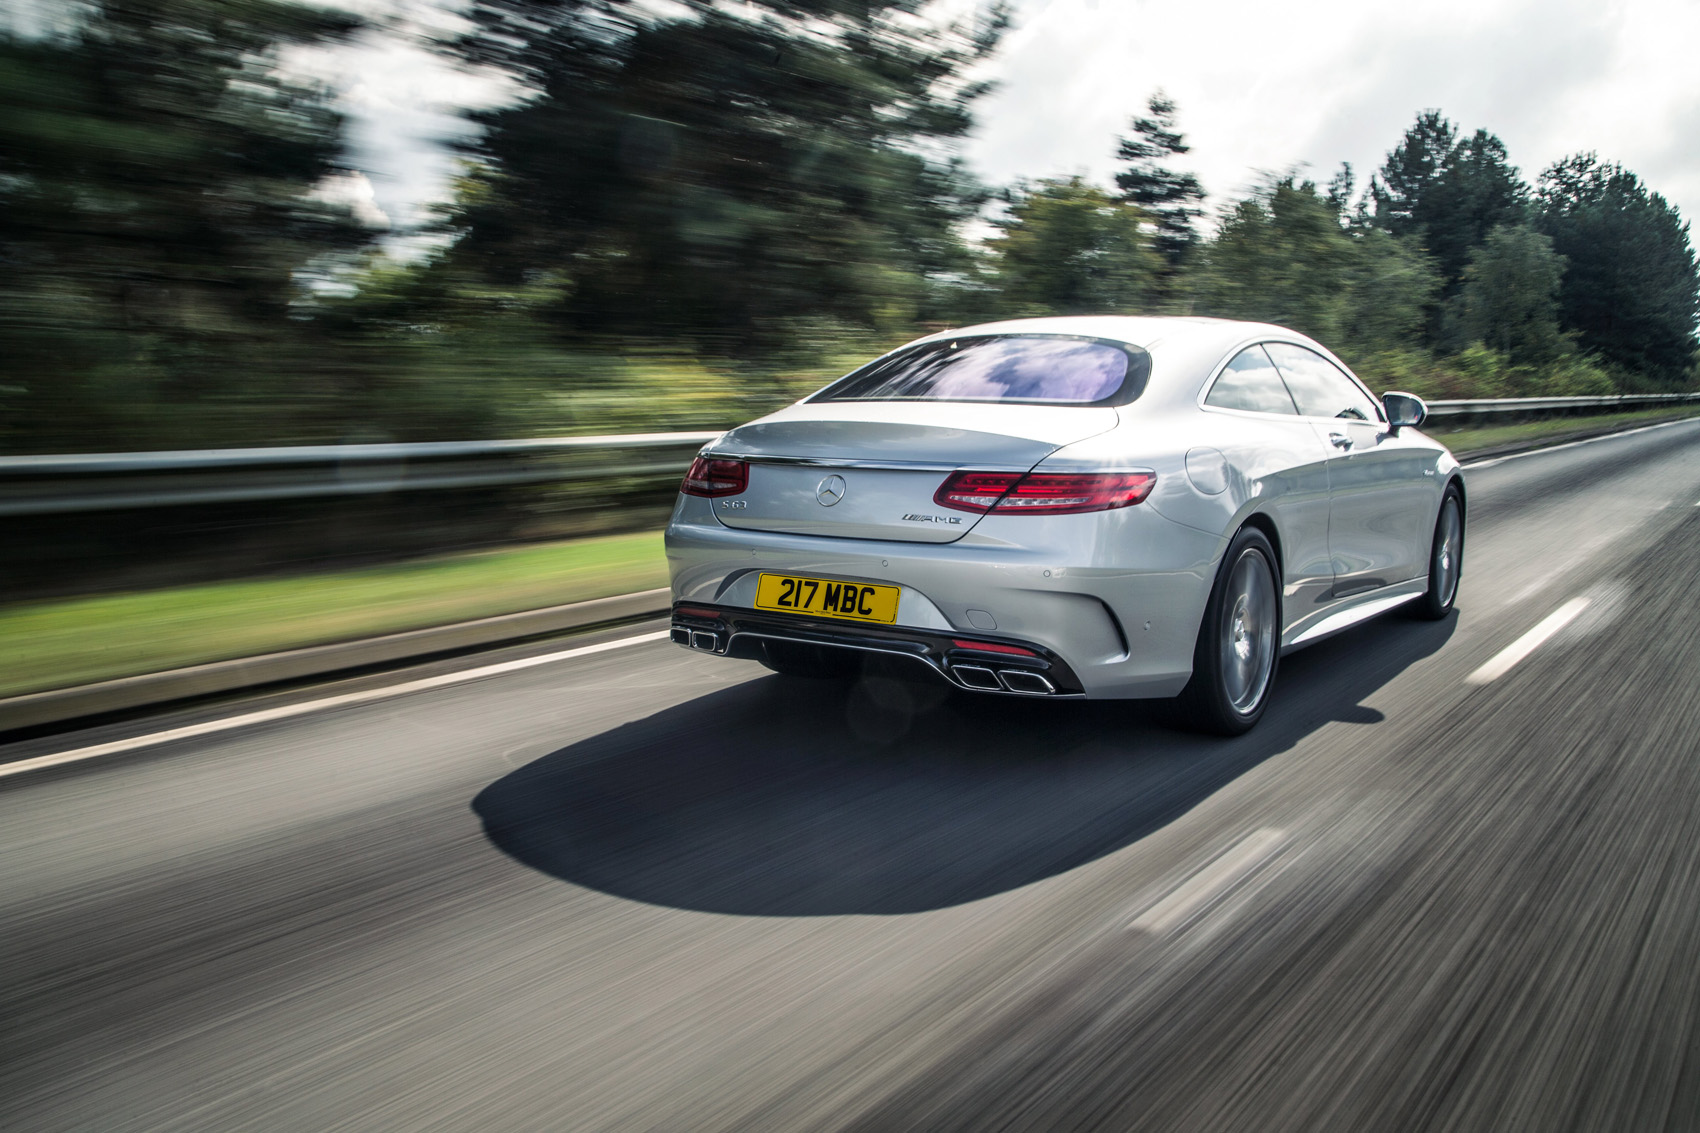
1070, 507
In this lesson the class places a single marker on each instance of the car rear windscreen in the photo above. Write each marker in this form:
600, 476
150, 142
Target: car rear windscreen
1050, 369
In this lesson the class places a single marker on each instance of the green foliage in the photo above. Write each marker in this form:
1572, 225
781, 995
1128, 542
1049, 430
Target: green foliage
1509, 300
1279, 256
1478, 371
699, 211
716, 175
1447, 192
1172, 200
1283, 256
1387, 293
1067, 247
1631, 293
156, 178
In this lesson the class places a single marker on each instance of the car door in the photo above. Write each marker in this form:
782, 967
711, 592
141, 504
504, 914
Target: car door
1269, 444
1381, 503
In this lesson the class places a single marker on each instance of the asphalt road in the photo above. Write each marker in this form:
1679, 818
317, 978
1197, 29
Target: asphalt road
644, 890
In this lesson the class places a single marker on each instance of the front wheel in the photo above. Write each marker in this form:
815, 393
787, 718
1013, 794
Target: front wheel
1445, 560
1233, 665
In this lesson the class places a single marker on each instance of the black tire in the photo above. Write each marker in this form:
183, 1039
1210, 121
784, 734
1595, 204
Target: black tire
796, 659
1445, 559
1239, 642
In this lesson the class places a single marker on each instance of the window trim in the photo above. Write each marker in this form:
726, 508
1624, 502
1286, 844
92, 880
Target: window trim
1380, 411
1216, 375
1210, 387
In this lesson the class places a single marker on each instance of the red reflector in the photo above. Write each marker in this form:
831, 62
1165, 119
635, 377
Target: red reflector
1043, 493
696, 611
716, 478
992, 647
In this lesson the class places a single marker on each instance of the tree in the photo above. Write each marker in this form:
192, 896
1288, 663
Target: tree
1447, 192
1282, 255
719, 175
1388, 291
1632, 291
1067, 247
157, 198
1509, 300
1172, 200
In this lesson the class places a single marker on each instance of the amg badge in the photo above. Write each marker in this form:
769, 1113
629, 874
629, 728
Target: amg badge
913, 518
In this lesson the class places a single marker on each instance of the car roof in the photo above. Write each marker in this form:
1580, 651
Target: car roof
1146, 331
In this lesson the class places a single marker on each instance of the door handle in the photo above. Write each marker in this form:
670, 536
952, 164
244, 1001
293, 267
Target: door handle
1339, 440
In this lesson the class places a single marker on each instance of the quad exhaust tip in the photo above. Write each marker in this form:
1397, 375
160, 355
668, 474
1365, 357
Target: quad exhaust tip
977, 676
1020, 680
1003, 680
706, 640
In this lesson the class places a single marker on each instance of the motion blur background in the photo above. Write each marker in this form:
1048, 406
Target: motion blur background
231, 223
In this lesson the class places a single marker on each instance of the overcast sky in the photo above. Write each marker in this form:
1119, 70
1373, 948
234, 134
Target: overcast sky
1261, 88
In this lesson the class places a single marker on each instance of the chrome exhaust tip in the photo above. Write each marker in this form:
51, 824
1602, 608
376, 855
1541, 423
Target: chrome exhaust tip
976, 676
681, 636
1022, 681
705, 640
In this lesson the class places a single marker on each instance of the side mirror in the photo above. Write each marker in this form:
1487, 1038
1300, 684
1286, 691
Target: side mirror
1404, 410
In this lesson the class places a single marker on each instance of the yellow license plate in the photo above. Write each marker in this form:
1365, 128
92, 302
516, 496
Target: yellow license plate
827, 598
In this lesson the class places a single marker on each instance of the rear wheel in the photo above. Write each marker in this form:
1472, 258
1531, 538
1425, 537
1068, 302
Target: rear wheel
797, 659
1233, 665
1445, 560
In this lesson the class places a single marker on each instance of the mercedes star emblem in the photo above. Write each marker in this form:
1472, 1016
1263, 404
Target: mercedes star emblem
831, 490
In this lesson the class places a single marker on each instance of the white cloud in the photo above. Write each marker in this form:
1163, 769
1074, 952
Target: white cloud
1266, 87
1261, 87
404, 102
354, 191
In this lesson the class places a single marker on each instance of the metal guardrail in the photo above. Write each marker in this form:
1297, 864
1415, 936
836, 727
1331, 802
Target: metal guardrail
1553, 406
108, 481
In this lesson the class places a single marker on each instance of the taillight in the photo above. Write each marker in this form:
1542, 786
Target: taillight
974, 491
1043, 493
711, 478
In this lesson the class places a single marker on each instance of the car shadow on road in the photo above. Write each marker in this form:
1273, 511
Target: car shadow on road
784, 797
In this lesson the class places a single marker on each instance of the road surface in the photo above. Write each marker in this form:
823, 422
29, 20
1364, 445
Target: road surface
1451, 881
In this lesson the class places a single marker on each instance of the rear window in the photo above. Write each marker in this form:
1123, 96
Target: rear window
1049, 369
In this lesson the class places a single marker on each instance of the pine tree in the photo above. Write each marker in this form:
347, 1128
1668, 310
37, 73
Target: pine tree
1631, 292
157, 204
1069, 248
721, 173
1447, 192
1171, 199
1509, 301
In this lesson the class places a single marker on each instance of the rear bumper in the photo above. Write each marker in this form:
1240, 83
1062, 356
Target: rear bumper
1116, 597
976, 664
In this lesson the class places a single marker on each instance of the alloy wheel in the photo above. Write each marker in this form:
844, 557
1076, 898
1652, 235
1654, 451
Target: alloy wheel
1248, 631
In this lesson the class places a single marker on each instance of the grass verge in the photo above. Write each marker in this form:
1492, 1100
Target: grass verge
59, 643
1479, 438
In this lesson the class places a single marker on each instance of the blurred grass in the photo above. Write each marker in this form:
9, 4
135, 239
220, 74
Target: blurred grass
59, 643
1479, 438
75, 641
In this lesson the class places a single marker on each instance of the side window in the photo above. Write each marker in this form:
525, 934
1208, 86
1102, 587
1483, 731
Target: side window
1251, 382
1321, 388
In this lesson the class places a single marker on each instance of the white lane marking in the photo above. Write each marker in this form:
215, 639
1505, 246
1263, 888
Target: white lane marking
1208, 882
1502, 662
210, 727
1491, 461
